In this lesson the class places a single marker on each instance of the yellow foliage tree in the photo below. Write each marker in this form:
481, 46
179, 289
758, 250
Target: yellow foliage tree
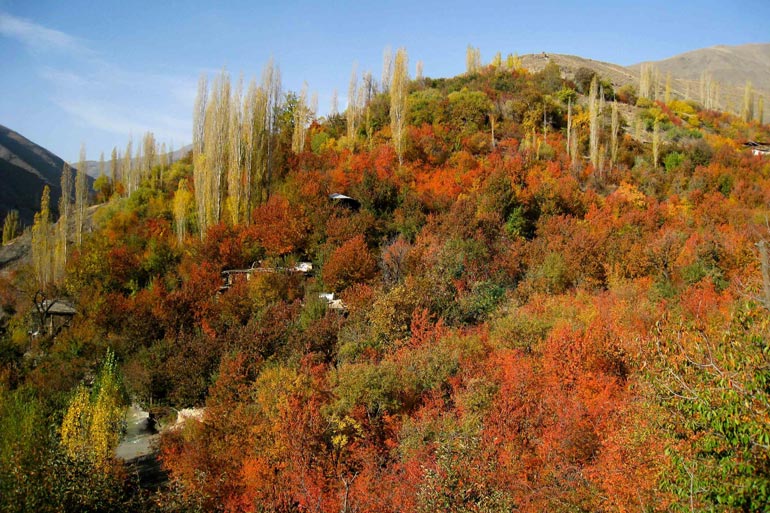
92, 424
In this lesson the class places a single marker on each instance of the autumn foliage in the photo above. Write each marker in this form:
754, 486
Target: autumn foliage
512, 329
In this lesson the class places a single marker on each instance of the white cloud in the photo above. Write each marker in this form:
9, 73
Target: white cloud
99, 95
38, 37
124, 121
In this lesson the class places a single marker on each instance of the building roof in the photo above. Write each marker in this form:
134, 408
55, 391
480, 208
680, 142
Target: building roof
58, 307
347, 201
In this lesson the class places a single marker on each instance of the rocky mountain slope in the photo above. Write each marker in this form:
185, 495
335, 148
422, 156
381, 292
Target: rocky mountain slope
25, 168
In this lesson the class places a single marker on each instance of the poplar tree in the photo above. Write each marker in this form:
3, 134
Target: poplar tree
91, 426
164, 157
235, 157
497, 61
216, 150
127, 167
593, 113
149, 155
334, 107
199, 157
81, 196
387, 69
65, 208
761, 110
655, 143
271, 83
102, 165
569, 127
10, 226
615, 128
301, 117
351, 113
646, 81
418, 70
368, 90
41, 250
398, 102
747, 112
114, 171
181, 207
472, 59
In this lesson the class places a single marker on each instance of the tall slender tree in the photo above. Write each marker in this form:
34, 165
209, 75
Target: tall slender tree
615, 129
655, 143
472, 60
41, 241
301, 118
747, 112
593, 113
200, 177
235, 167
351, 113
387, 69
333, 106
148, 161
181, 207
65, 208
216, 149
126, 169
81, 196
398, 101
114, 170
10, 226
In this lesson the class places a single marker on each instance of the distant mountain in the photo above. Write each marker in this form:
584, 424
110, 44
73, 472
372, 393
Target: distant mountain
92, 166
730, 66
25, 169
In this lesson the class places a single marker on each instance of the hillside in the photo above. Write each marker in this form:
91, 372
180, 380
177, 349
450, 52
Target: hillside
499, 291
731, 65
25, 168
570, 64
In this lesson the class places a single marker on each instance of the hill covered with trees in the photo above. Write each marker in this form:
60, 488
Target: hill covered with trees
548, 295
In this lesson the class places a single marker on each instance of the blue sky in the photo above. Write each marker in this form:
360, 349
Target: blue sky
96, 72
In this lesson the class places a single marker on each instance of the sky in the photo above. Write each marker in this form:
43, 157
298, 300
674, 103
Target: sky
94, 73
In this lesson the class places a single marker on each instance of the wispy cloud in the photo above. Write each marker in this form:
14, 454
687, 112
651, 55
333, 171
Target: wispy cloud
122, 120
102, 96
37, 37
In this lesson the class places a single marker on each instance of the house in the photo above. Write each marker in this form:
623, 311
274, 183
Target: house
757, 147
52, 315
345, 201
332, 303
231, 276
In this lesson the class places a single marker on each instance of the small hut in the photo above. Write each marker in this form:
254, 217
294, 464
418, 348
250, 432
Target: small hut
53, 315
345, 201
